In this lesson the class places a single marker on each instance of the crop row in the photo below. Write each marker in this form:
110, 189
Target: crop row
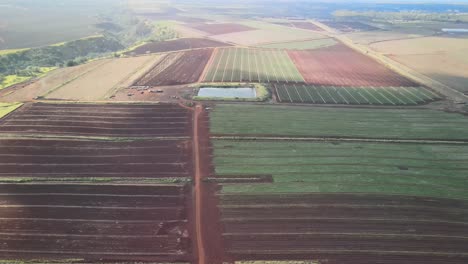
252, 65
298, 93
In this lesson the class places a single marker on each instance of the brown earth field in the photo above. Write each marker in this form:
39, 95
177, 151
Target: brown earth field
103, 120
302, 25
341, 66
185, 69
65, 158
178, 44
345, 228
95, 223
221, 28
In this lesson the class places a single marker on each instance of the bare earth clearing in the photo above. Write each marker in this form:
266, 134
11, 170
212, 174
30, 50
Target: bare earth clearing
99, 82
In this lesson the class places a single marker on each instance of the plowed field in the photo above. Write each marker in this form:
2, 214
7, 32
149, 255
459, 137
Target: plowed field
357, 228
94, 222
178, 44
99, 120
341, 66
223, 28
55, 158
187, 68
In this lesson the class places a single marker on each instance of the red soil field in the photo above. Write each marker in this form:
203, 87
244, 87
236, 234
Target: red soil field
178, 44
339, 65
186, 69
99, 120
72, 158
345, 228
95, 222
222, 28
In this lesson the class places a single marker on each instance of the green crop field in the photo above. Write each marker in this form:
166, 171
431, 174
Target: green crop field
407, 169
252, 65
301, 45
338, 122
315, 94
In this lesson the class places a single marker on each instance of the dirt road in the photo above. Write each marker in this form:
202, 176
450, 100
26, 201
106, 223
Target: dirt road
198, 188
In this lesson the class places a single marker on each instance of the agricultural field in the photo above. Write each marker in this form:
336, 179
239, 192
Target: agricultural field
177, 68
333, 122
349, 26
301, 25
311, 94
332, 167
94, 222
252, 65
442, 59
338, 201
221, 28
175, 45
341, 66
301, 45
104, 120
79, 160
104, 79
263, 36
53, 156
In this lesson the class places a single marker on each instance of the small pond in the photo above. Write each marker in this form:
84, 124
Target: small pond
226, 92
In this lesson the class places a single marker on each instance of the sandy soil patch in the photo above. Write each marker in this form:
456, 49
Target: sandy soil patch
99, 82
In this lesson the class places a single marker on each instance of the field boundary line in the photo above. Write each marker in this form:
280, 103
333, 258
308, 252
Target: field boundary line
92, 220
346, 251
356, 219
43, 252
78, 235
92, 194
396, 235
207, 67
89, 138
376, 140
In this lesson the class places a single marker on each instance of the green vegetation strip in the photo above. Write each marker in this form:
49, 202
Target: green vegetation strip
301, 167
6, 108
294, 121
36, 72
